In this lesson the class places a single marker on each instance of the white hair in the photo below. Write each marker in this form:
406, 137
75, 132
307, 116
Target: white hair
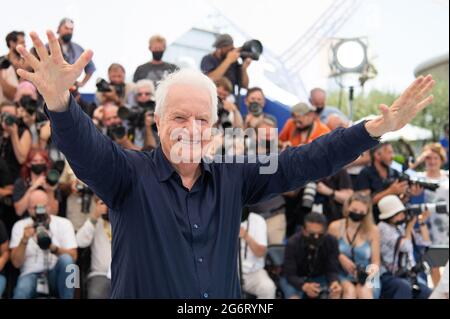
144, 83
189, 77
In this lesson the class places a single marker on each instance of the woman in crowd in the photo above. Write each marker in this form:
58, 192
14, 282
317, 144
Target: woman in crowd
359, 247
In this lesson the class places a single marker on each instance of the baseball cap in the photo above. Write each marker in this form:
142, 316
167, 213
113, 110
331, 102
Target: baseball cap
302, 108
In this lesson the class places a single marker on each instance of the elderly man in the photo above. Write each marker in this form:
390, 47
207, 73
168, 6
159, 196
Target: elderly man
175, 218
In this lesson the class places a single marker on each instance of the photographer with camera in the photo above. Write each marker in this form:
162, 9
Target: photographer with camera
311, 265
30, 111
15, 138
379, 179
434, 156
37, 173
9, 63
115, 91
255, 101
71, 51
96, 234
318, 99
229, 114
303, 127
42, 246
400, 271
359, 247
155, 70
106, 117
223, 62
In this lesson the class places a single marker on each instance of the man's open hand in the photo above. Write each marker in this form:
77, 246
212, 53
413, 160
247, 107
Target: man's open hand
52, 75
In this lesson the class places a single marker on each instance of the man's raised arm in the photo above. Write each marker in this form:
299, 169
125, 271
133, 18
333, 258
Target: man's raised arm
330, 153
95, 159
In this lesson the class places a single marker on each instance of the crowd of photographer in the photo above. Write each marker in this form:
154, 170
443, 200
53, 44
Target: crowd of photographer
361, 233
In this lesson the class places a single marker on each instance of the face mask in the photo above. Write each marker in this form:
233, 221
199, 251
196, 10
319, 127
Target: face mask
312, 241
400, 222
319, 110
304, 129
67, 37
157, 55
355, 217
38, 168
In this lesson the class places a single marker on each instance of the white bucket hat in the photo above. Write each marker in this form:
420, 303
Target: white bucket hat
390, 206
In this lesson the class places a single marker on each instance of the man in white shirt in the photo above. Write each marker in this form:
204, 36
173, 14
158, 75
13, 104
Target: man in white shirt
253, 236
43, 264
96, 233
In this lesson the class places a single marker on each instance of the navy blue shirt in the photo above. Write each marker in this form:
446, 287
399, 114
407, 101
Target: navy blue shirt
169, 242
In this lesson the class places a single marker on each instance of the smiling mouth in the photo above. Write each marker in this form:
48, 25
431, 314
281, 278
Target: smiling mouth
188, 141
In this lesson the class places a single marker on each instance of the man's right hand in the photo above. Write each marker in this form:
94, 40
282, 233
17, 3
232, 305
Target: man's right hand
399, 188
311, 289
233, 56
28, 232
52, 75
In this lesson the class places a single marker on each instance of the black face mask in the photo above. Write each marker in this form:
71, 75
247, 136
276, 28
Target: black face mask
304, 129
38, 169
67, 37
157, 55
356, 217
319, 110
312, 241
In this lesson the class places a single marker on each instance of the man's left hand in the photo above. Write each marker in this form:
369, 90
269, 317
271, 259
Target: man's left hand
413, 100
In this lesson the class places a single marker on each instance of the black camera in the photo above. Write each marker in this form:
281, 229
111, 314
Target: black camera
4, 63
86, 195
324, 293
433, 208
361, 274
255, 109
116, 132
251, 49
9, 119
135, 116
103, 86
52, 177
415, 181
29, 104
309, 195
42, 226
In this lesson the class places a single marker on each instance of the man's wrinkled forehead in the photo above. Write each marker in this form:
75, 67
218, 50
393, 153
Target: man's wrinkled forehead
185, 97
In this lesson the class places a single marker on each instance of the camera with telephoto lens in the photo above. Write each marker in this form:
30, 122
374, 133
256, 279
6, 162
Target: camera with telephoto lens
251, 49
223, 115
324, 293
361, 274
309, 195
104, 86
116, 132
135, 116
86, 195
4, 63
255, 109
433, 208
9, 119
42, 226
52, 177
415, 181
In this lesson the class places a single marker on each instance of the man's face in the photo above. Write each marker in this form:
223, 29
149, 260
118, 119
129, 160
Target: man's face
224, 51
185, 120
143, 95
66, 29
386, 155
157, 46
110, 116
256, 97
13, 45
303, 121
318, 99
313, 229
37, 198
116, 76
222, 93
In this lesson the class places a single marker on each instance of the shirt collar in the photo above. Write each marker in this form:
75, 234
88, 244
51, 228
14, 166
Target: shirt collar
164, 168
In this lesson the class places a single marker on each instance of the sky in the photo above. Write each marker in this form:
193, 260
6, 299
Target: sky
401, 33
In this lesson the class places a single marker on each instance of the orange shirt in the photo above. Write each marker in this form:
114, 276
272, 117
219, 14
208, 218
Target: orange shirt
290, 133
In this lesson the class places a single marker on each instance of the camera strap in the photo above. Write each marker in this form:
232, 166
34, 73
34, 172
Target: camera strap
352, 241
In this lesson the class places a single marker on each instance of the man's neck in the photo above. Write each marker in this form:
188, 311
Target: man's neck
189, 172
156, 62
383, 171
